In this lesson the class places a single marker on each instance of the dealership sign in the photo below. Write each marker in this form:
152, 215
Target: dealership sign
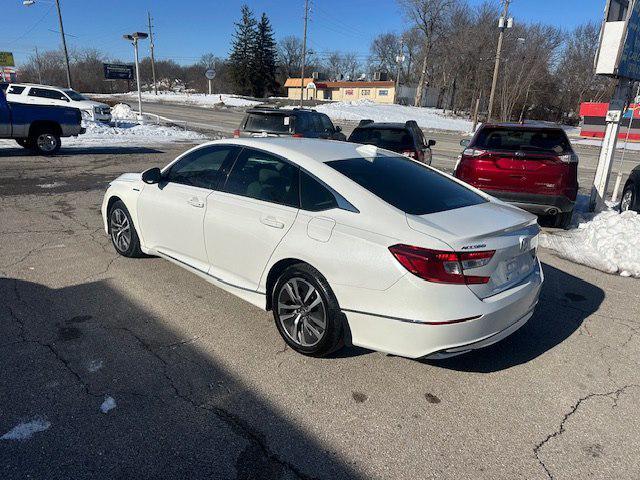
6, 59
117, 71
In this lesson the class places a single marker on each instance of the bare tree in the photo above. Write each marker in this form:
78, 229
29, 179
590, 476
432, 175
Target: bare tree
290, 55
383, 51
429, 16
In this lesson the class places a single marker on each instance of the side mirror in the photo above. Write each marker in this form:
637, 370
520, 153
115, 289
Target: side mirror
338, 128
151, 176
431, 143
465, 142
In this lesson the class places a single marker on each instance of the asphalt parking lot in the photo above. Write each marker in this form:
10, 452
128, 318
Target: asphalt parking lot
138, 369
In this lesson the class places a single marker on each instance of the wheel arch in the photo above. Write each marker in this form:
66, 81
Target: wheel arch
44, 124
274, 273
112, 199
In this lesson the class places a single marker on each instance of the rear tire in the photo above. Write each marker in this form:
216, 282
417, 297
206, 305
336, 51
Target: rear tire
306, 311
563, 220
629, 198
122, 232
45, 141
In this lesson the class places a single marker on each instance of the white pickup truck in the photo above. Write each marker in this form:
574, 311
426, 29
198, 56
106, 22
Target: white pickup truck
48, 95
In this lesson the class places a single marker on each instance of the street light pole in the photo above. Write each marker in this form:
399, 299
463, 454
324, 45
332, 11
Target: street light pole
304, 51
504, 24
133, 38
153, 60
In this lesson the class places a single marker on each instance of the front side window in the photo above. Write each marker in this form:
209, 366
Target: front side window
327, 125
264, 177
202, 167
314, 196
413, 188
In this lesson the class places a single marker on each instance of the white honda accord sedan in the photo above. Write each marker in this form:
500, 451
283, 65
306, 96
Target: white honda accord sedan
343, 242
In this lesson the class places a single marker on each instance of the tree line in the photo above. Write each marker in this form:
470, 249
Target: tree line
448, 45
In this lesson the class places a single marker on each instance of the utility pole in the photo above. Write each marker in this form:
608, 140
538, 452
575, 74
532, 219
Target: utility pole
153, 61
39, 66
64, 44
304, 51
505, 22
399, 61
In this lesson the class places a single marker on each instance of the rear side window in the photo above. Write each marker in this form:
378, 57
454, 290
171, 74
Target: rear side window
264, 177
15, 89
407, 185
46, 93
314, 196
522, 139
268, 122
395, 139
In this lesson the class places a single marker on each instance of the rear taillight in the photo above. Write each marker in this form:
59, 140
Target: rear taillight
297, 135
440, 266
569, 158
409, 153
473, 152
236, 133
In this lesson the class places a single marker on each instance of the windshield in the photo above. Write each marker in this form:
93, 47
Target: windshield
394, 139
268, 122
407, 185
517, 139
73, 95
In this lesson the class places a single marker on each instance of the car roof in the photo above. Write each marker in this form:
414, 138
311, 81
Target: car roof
284, 111
383, 125
21, 84
526, 125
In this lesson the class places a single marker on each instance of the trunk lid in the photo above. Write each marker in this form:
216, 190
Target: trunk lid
512, 233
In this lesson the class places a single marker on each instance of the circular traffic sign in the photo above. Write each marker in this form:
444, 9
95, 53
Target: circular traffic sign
210, 73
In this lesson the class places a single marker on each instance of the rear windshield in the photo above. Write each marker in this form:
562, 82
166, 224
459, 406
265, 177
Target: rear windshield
268, 122
517, 139
394, 139
407, 185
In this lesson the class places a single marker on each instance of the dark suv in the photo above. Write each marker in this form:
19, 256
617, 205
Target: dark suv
297, 122
532, 166
405, 138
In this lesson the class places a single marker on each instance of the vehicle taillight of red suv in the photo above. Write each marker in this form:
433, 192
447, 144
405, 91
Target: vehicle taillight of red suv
532, 166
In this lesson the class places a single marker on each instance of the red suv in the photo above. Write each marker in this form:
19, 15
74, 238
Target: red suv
530, 166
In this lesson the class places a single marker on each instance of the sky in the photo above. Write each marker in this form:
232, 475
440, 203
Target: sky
187, 29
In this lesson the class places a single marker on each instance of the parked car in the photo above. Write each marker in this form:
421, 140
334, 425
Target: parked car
341, 241
532, 166
48, 95
631, 192
38, 127
296, 122
405, 138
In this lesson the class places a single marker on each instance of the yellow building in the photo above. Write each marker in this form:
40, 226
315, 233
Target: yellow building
380, 92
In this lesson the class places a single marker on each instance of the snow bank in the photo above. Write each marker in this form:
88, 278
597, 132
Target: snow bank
428, 118
130, 134
607, 241
122, 111
199, 99
24, 431
108, 405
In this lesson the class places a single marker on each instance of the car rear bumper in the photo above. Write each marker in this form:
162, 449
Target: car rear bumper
481, 322
535, 203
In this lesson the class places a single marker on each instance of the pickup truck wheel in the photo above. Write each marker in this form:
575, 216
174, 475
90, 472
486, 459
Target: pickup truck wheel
45, 142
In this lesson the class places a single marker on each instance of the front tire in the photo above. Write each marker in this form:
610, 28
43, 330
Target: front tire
629, 198
45, 142
306, 311
122, 232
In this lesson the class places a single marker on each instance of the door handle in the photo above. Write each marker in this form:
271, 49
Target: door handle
195, 202
272, 222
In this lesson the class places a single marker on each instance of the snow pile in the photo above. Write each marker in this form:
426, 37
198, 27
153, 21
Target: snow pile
199, 99
26, 430
128, 134
108, 405
428, 118
608, 241
122, 111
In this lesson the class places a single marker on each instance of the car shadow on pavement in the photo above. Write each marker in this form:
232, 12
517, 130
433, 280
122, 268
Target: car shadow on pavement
565, 302
72, 151
105, 389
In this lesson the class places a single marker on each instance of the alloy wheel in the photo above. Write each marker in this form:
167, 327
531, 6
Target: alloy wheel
120, 230
302, 312
46, 142
627, 199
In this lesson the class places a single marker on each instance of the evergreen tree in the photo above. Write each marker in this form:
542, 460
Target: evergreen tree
242, 58
265, 60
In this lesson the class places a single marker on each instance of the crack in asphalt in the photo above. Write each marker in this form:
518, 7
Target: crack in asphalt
615, 394
238, 425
